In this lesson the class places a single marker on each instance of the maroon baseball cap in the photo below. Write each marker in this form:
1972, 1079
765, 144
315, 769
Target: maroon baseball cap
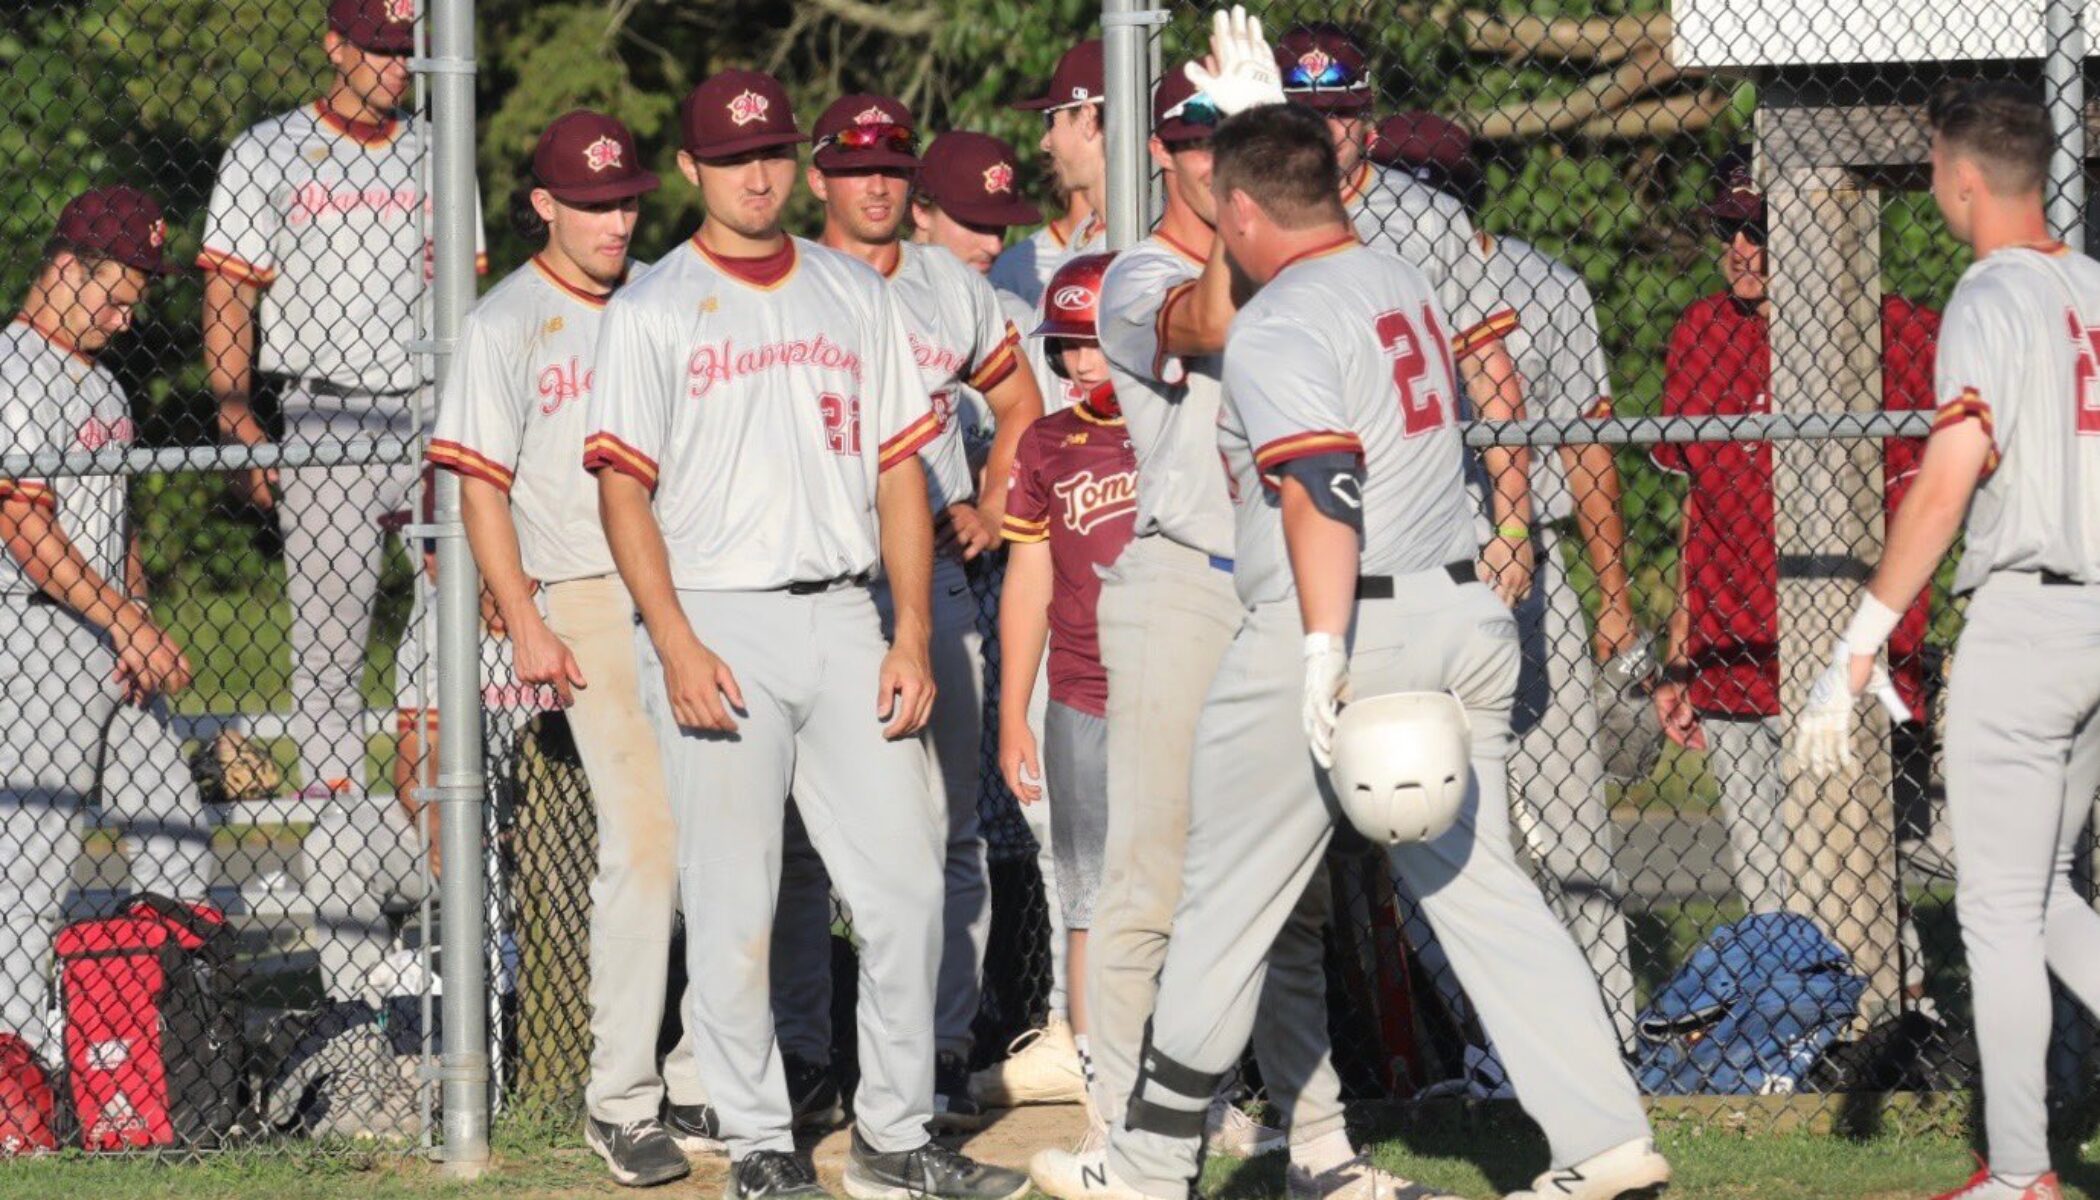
122, 223
380, 26
586, 157
1188, 123
1324, 67
735, 111
1736, 202
1423, 141
1078, 79
863, 131
975, 178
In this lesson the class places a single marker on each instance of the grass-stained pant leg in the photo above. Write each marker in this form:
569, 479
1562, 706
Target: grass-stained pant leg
634, 888
2023, 761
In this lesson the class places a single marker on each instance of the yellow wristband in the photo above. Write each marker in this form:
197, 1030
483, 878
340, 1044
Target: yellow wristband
1513, 531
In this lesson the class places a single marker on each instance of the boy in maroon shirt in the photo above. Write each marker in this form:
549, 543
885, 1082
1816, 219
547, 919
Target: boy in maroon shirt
1071, 508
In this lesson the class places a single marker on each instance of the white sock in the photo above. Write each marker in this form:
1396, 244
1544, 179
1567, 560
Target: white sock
1323, 1153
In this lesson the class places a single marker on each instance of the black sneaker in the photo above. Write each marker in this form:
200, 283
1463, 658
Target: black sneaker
639, 1153
932, 1170
697, 1128
813, 1094
773, 1175
953, 1110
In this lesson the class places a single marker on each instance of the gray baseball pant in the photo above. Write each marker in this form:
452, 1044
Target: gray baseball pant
2023, 764
52, 722
1075, 761
802, 934
634, 891
363, 861
1167, 615
1743, 753
808, 667
1261, 815
1037, 817
334, 550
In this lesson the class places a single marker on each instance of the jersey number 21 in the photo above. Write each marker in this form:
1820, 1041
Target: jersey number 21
1422, 402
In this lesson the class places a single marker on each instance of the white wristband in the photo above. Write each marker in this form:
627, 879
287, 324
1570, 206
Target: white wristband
1317, 644
1872, 623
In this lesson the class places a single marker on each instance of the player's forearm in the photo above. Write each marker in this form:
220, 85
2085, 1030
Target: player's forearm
1593, 476
229, 353
50, 561
1024, 626
907, 550
1491, 383
1324, 557
1197, 325
1015, 405
493, 536
1930, 517
1679, 632
134, 571
638, 552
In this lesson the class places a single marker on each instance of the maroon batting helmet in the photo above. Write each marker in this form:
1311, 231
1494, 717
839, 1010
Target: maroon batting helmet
1070, 301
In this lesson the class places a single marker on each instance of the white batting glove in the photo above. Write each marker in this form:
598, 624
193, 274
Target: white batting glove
1246, 67
1823, 732
1326, 688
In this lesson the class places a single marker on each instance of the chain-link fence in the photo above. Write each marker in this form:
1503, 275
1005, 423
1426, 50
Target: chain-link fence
1712, 212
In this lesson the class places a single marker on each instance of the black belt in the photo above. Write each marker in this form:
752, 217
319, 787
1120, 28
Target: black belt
1380, 587
818, 586
2059, 579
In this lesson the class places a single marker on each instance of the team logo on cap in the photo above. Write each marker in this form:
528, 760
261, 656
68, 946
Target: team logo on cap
999, 177
871, 115
603, 154
157, 235
1073, 298
748, 107
1315, 61
400, 11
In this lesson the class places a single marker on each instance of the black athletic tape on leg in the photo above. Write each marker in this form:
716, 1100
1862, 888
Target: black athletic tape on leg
1182, 1080
1143, 1116
1173, 1078
1335, 482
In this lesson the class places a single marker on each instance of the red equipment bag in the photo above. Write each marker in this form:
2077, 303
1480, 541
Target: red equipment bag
28, 1106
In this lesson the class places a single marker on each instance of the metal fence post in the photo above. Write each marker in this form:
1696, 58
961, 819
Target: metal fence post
2063, 30
461, 787
1125, 66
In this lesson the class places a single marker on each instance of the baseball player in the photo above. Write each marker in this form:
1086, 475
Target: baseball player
510, 424
964, 198
2013, 465
755, 429
1719, 690
85, 716
1070, 512
1076, 144
1562, 809
1355, 562
317, 221
866, 153
1024, 268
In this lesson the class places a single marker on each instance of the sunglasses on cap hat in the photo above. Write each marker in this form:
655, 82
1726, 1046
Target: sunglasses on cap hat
1320, 73
1198, 109
872, 136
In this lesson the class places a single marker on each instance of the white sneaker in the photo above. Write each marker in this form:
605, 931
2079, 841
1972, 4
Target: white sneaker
1356, 1179
1632, 1171
1230, 1132
1066, 1176
1041, 1067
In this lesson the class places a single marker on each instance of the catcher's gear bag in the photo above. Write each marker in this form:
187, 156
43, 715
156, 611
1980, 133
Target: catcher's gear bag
1401, 763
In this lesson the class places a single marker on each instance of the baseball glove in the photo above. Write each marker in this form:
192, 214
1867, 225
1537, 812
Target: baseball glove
231, 768
1630, 734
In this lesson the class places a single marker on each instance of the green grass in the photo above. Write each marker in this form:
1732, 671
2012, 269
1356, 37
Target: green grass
1469, 1161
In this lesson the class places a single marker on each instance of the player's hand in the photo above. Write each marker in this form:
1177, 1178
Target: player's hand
259, 486
1326, 690
960, 531
1823, 732
1240, 72
149, 663
1680, 721
702, 688
541, 657
1616, 630
904, 695
1506, 565
1018, 761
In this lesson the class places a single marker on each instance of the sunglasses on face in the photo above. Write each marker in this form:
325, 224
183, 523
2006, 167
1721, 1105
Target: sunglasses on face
1198, 109
1335, 76
871, 137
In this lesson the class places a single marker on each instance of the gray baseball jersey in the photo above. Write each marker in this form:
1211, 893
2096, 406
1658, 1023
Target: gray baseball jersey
512, 412
960, 339
1547, 321
1170, 404
55, 399
1345, 352
775, 413
330, 220
1399, 214
1025, 267
2019, 351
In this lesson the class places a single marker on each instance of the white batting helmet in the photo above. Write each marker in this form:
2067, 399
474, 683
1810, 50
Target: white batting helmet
1400, 765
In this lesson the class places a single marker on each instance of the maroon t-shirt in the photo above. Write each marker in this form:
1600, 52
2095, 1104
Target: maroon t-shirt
1074, 485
